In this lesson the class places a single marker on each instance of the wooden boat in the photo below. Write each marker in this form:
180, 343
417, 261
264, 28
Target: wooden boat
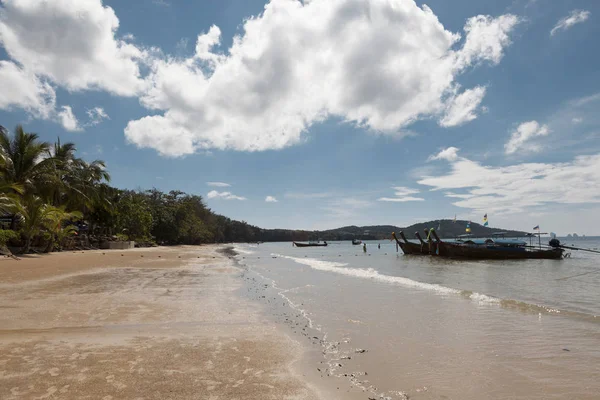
407, 247
310, 244
492, 249
356, 242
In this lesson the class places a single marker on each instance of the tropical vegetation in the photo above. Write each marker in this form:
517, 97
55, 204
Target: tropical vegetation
50, 199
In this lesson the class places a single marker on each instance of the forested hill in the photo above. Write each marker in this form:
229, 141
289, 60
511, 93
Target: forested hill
447, 229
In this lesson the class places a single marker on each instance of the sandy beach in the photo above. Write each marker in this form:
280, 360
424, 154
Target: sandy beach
161, 323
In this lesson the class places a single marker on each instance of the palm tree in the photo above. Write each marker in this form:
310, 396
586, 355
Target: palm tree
85, 185
54, 223
25, 157
62, 157
33, 214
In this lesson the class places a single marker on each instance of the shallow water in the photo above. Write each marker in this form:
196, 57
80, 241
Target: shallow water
436, 328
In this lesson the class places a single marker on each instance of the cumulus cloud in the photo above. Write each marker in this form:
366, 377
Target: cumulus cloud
486, 39
462, 108
402, 195
379, 64
22, 89
96, 115
271, 199
449, 154
574, 17
68, 119
213, 194
520, 187
218, 184
520, 139
72, 43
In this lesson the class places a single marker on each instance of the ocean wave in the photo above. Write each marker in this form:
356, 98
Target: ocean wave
368, 273
242, 250
479, 298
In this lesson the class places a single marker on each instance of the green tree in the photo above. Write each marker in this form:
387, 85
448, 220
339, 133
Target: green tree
56, 224
133, 216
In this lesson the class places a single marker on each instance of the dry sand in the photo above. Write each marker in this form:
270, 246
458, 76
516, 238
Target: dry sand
162, 323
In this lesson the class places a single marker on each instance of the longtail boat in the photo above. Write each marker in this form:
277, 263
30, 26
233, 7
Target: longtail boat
310, 244
407, 247
356, 242
492, 249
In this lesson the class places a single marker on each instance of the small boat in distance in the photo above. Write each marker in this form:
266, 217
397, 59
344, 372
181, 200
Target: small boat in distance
310, 244
356, 241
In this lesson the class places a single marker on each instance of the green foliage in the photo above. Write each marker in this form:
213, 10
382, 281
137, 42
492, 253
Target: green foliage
6, 236
133, 216
122, 237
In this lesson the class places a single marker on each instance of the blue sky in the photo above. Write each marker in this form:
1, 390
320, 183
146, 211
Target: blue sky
345, 111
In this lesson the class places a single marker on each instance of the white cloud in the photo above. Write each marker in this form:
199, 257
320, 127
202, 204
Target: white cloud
308, 196
380, 64
577, 120
486, 40
22, 89
96, 115
213, 194
402, 195
520, 187
400, 199
72, 43
462, 108
271, 199
404, 191
218, 184
520, 139
68, 119
449, 154
574, 17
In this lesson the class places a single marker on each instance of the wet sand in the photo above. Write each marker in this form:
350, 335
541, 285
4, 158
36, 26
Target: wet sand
162, 323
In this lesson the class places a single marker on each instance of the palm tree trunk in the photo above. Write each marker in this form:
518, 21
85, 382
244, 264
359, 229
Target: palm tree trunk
27, 245
50, 246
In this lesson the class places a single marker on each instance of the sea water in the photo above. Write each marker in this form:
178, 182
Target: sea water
423, 327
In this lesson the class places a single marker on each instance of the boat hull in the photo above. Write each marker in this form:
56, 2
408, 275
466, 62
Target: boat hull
310, 244
451, 250
414, 248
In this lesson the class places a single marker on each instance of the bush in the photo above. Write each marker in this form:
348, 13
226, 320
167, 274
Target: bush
121, 237
7, 235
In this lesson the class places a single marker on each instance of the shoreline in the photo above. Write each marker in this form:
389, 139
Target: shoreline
156, 323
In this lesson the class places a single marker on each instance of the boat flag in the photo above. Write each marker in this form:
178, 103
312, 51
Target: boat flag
536, 228
485, 221
468, 227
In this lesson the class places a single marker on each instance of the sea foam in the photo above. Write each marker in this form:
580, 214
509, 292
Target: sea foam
242, 250
372, 274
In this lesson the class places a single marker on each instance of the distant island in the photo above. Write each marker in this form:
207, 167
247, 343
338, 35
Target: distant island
446, 228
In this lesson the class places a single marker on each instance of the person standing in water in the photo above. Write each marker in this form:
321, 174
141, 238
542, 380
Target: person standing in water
379, 245
364, 247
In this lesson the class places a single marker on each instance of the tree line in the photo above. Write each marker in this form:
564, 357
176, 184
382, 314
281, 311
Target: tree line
51, 199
